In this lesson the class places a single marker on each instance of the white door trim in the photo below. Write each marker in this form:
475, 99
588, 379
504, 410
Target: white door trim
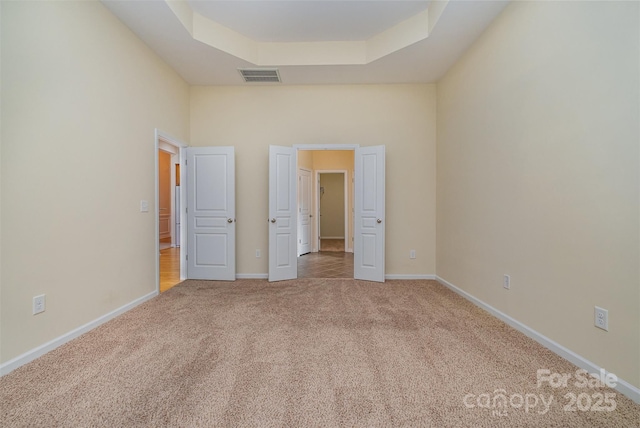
346, 205
326, 146
163, 141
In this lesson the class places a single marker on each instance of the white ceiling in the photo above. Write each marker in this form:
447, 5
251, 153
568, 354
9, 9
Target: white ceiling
308, 21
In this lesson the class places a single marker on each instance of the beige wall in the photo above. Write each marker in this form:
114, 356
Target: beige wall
332, 205
305, 159
81, 96
538, 163
402, 117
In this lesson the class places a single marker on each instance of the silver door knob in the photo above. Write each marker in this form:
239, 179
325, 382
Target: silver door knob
229, 220
379, 221
273, 220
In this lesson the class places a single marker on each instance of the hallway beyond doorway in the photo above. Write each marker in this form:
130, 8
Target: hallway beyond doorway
169, 268
329, 264
327, 244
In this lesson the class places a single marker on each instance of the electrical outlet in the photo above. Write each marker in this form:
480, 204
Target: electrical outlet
412, 254
506, 282
602, 318
257, 254
38, 304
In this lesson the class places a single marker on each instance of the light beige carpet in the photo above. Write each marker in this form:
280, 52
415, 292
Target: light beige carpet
332, 352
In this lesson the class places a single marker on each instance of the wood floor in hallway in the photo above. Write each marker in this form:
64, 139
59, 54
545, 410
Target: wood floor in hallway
169, 268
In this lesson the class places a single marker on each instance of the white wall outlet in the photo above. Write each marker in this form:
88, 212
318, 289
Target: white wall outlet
506, 282
412, 254
144, 206
257, 254
602, 318
38, 304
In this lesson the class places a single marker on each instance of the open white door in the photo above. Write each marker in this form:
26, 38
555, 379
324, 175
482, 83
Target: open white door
283, 261
211, 227
304, 211
368, 250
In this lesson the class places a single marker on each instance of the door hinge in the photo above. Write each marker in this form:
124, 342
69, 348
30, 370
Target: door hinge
187, 256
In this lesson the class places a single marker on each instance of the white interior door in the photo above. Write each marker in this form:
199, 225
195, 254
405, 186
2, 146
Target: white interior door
368, 250
211, 227
283, 260
304, 211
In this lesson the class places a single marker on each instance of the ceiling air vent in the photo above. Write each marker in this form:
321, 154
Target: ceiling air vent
260, 75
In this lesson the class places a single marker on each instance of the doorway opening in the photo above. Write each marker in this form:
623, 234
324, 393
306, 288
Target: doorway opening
170, 266
368, 231
165, 207
333, 203
328, 219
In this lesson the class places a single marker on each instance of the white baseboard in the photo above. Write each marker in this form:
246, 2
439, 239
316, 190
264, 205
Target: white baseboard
31, 355
622, 386
409, 276
252, 276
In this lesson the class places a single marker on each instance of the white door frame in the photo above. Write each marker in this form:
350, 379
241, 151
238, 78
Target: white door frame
346, 204
166, 142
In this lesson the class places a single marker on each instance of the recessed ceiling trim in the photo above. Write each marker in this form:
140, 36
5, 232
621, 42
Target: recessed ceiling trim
297, 21
398, 37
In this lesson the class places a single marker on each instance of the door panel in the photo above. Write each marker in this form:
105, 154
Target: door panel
283, 261
304, 211
369, 213
211, 223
